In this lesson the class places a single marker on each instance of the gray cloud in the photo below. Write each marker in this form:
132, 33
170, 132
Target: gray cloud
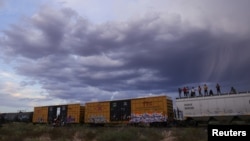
74, 59
1, 3
26, 83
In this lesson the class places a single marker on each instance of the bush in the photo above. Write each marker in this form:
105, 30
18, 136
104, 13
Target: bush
190, 134
30, 132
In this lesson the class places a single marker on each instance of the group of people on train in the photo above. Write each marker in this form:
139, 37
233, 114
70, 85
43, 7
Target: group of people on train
192, 92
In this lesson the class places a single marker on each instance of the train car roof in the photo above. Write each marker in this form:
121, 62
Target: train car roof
216, 95
150, 96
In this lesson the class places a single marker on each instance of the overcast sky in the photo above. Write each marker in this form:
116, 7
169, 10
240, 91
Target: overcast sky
70, 51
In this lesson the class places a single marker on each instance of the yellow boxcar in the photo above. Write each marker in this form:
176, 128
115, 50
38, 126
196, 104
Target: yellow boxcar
97, 112
151, 109
40, 115
69, 113
75, 113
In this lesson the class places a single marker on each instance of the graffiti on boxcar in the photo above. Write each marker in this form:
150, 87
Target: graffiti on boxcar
70, 119
40, 120
147, 118
97, 119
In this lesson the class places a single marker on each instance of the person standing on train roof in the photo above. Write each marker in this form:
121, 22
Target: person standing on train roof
179, 90
199, 90
187, 91
218, 88
184, 91
192, 92
205, 90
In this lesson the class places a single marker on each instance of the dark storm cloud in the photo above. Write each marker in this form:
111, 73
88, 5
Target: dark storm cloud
42, 33
74, 59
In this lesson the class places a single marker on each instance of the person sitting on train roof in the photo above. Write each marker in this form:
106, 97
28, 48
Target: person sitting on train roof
233, 91
211, 92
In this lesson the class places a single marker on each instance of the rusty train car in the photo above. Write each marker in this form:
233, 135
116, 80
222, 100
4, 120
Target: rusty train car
69, 113
153, 111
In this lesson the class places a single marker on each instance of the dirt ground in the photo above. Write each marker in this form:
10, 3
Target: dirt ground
168, 136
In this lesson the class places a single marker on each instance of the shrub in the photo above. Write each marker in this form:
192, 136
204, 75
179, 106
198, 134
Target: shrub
30, 132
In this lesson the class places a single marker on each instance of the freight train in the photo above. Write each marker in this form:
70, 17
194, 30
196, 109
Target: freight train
150, 111
16, 117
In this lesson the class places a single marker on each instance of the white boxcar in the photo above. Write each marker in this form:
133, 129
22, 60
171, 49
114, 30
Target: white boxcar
219, 107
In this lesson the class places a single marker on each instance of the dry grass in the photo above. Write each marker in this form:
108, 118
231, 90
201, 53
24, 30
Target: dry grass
190, 134
30, 132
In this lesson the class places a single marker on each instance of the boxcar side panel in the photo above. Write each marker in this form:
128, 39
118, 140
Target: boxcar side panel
97, 112
74, 113
57, 112
120, 110
170, 112
149, 109
82, 113
40, 115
